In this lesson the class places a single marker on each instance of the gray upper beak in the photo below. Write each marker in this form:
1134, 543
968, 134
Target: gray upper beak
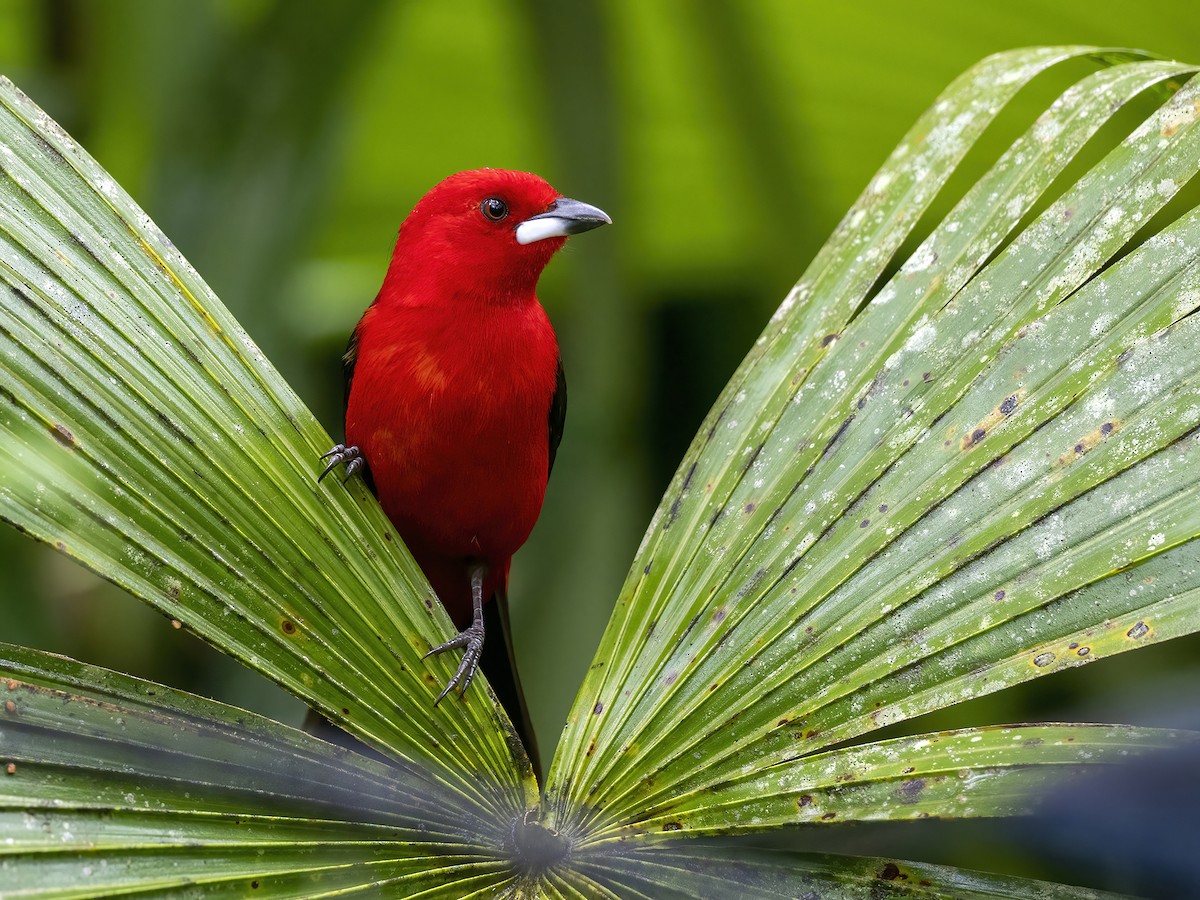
564, 218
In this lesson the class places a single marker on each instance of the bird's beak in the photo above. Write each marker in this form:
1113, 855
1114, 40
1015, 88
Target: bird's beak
564, 218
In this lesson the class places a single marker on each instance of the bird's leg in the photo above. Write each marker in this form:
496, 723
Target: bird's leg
340, 453
470, 638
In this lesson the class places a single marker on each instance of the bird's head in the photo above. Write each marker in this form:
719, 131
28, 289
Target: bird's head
484, 234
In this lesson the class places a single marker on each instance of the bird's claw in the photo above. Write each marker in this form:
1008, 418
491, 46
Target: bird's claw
351, 456
471, 640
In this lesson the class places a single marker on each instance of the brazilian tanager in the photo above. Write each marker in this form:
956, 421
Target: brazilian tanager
455, 397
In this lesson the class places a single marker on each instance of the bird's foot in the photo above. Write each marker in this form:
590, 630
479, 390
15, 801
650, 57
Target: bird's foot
471, 640
352, 457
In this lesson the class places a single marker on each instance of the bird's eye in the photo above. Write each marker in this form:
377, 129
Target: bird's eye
494, 209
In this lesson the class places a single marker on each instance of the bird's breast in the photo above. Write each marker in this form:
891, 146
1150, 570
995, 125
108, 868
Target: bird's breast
451, 412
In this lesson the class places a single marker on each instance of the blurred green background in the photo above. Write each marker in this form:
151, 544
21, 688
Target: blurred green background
279, 144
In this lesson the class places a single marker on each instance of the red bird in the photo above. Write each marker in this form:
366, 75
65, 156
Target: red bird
455, 396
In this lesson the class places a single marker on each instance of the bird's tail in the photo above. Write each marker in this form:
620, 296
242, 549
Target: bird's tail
499, 664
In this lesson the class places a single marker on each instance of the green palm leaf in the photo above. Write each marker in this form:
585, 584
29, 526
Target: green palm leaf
907, 499
702, 869
974, 772
149, 439
116, 785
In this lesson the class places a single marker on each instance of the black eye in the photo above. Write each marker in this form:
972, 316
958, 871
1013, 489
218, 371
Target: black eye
494, 209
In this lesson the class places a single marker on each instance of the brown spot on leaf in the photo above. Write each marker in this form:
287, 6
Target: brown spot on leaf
828, 817
687, 479
910, 789
287, 626
890, 872
673, 513
804, 800
970, 440
1088, 442
837, 435
63, 435
985, 425
672, 826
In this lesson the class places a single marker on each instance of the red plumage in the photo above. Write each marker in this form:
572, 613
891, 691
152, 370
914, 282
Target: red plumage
454, 375
450, 405
455, 392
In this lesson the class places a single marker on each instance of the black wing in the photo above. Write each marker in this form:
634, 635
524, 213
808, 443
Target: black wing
349, 360
558, 415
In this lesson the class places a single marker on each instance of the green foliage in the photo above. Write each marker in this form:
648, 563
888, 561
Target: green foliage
164, 789
933, 477
161, 449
